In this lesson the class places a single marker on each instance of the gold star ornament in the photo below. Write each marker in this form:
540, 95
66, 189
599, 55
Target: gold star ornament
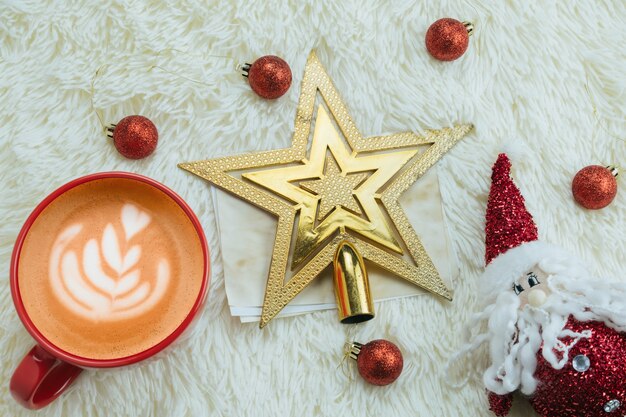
333, 191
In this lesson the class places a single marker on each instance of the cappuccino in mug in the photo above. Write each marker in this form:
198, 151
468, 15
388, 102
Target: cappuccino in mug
110, 268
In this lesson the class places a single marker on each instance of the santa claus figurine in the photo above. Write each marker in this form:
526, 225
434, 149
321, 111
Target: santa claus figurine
553, 333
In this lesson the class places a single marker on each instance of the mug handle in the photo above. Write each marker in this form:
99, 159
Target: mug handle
40, 378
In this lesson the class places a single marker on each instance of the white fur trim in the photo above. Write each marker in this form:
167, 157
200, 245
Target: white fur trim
507, 267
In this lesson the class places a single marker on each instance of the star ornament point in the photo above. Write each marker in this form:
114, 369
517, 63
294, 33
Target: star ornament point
332, 191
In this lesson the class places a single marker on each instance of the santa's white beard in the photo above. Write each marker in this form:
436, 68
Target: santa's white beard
514, 336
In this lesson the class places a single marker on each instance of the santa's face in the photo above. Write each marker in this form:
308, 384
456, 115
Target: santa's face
531, 287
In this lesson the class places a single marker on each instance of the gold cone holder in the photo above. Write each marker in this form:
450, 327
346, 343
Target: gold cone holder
352, 288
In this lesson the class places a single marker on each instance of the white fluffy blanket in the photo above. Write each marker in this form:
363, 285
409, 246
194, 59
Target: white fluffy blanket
523, 79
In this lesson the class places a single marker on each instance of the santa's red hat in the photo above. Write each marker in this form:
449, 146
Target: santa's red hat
509, 224
511, 239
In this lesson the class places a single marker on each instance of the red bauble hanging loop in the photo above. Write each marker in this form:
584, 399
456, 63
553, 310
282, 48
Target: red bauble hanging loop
379, 361
269, 76
447, 39
135, 137
594, 187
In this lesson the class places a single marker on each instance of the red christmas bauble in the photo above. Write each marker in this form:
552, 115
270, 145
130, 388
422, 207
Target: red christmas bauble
135, 137
269, 76
380, 362
595, 186
447, 39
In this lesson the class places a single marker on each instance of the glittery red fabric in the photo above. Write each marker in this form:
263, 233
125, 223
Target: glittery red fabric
509, 224
594, 187
380, 362
500, 405
447, 39
569, 393
269, 76
135, 137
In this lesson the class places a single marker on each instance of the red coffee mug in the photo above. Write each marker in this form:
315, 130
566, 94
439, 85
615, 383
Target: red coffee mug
46, 371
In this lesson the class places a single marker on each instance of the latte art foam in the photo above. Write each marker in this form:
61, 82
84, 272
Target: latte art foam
91, 291
110, 268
